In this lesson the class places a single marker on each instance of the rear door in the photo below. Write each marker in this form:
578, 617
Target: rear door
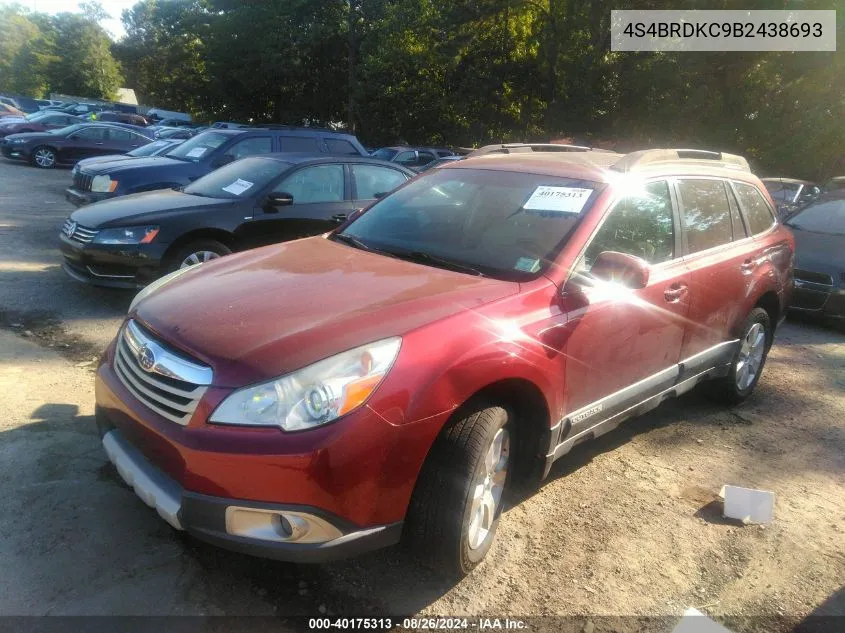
89, 141
121, 141
370, 182
320, 194
721, 263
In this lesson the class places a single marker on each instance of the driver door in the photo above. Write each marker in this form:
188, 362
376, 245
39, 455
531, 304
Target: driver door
624, 344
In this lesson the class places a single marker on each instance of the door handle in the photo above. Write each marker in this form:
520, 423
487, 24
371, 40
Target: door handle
748, 266
675, 292
339, 217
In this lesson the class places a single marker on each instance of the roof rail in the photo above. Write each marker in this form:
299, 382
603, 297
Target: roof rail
301, 128
520, 148
648, 157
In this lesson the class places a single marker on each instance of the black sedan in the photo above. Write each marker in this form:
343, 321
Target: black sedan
819, 232
127, 242
73, 143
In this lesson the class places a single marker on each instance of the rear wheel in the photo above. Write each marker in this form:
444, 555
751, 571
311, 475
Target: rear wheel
198, 252
748, 361
457, 501
44, 157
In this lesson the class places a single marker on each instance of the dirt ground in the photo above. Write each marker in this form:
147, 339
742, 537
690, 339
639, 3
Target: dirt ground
627, 525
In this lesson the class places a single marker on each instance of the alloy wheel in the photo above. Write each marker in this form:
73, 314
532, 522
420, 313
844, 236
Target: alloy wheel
45, 158
750, 356
487, 489
198, 258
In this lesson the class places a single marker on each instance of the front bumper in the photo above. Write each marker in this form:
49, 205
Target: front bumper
112, 266
14, 152
205, 517
81, 198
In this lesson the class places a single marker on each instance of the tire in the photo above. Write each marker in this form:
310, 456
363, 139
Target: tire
450, 525
44, 157
751, 353
202, 250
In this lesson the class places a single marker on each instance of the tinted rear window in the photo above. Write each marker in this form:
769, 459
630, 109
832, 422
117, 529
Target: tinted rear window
757, 212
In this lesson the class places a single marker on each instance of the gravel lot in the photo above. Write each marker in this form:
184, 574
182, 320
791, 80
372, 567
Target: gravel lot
626, 525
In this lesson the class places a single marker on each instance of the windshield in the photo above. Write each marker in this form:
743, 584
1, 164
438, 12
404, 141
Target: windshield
503, 224
36, 116
823, 217
384, 153
197, 147
150, 149
65, 131
240, 179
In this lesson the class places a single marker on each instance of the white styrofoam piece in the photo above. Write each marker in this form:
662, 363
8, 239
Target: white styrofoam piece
748, 505
694, 621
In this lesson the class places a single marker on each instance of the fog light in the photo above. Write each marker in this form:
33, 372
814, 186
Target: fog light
282, 526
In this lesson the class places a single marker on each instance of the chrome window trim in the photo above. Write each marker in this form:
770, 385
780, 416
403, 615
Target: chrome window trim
167, 364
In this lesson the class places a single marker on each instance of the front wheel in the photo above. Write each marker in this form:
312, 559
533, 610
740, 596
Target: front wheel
455, 508
44, 157
198, 252
748, 360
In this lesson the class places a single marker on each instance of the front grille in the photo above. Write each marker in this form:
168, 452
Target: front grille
78, 232
82, 181
816, 278
172, 388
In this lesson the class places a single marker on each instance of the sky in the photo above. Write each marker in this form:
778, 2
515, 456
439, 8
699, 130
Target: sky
113, 7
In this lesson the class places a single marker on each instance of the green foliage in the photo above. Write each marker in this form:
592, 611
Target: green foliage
67, 53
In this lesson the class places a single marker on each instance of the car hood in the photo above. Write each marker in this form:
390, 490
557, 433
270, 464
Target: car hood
267, 312
140, 207
158, 163
85, 163
33, 136
819, 252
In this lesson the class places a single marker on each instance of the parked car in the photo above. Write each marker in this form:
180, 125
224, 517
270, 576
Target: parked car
411, 157
819, 231
439, 162
81, 109
67, 145
227, 125
24, 104
183, 133
157, 114
41, 121
834, 184
120, 117
171, 123
392, 379
44, 104
129, 241
790, 194
200, 155
7, 110
155, 148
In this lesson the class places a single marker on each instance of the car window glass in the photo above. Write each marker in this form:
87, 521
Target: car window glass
241, 179
298, 143
371, 180
199, 146
384, 153
341, 147
757, 212
822, 217
92, 133
737, 226
706, 213
790, 191
406, 158
424, 158
121, 135
250, 147
321, 183
640, 224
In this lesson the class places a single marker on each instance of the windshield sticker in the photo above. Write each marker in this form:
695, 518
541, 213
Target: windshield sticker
558, 199
238, 187
527, 264
197, 152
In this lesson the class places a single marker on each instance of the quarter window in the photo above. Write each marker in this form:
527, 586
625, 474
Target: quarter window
757, 212
339, 146
250, 147
371, 180
92, 133
298, 143
322, 183
121, 135
706, 213
640, 224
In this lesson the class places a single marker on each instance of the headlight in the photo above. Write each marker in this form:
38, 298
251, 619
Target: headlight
103, 184
18, 140
127, 235
315, 395
158, 283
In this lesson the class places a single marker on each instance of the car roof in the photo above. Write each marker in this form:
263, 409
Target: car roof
298, 158
792, 181
604, 166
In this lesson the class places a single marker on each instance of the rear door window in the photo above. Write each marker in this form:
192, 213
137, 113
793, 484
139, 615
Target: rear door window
757, 211
371, 180
706, 213
321, 183
250, 147
341, 147
299, 144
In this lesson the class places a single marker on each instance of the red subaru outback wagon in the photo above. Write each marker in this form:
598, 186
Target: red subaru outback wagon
391, 379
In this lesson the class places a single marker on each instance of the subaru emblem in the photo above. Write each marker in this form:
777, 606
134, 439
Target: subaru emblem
146, 358
70, 227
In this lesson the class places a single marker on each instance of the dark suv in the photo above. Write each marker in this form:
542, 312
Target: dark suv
199, 156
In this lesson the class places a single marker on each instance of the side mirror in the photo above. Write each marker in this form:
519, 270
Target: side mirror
276, 200
627, 270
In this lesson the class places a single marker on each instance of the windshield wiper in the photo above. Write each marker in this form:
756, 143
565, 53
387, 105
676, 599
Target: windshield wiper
352, 241
427, 258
